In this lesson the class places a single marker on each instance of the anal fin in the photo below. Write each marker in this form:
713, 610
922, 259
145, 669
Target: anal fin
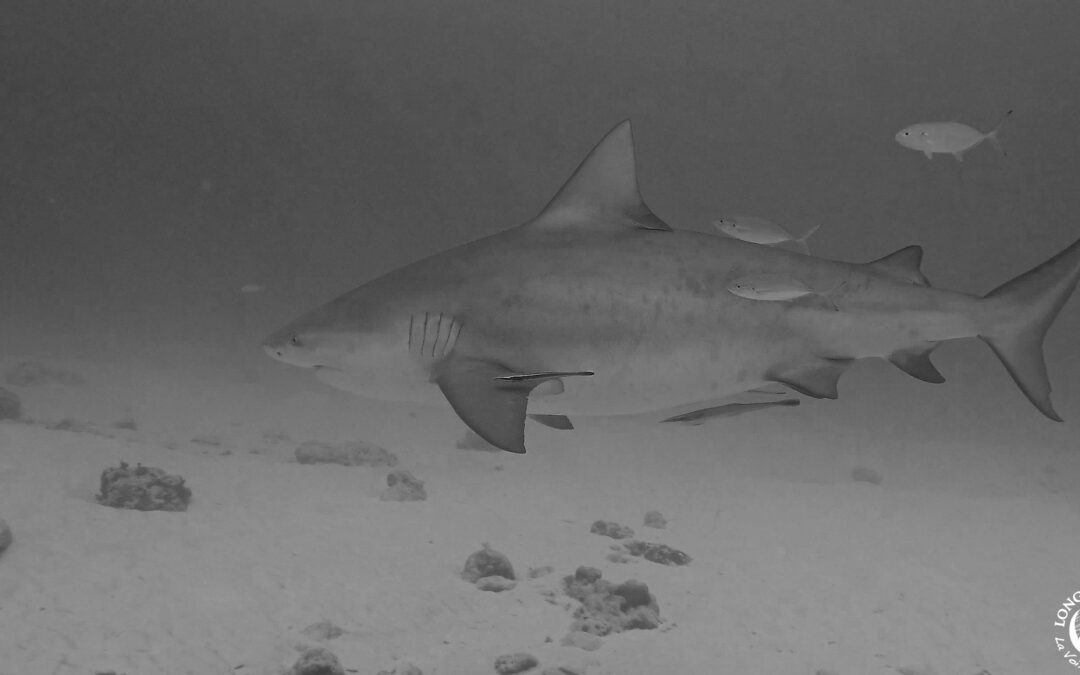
915, 361
561, 422
816, 379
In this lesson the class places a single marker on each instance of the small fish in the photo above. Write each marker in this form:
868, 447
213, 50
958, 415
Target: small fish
951, 138
252, 288
730, 410
760, 231
773, 288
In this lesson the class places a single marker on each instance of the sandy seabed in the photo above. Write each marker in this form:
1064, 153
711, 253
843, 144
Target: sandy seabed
953, 565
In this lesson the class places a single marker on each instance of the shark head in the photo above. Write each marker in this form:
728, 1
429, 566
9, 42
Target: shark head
352, 343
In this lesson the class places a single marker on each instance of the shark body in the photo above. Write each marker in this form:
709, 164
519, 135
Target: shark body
598, 307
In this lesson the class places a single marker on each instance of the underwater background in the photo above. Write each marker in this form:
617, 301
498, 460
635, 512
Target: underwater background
179, 179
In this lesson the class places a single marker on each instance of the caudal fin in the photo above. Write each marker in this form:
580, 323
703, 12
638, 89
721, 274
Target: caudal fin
801, 241
992, 135
1019, 314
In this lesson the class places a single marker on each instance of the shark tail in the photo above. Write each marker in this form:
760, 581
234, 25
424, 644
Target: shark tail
1020, 312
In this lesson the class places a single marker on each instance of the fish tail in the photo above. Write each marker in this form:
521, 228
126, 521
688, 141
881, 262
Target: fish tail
1020, 311
809, 233
992, 135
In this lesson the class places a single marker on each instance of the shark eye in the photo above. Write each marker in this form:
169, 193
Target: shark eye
294, 341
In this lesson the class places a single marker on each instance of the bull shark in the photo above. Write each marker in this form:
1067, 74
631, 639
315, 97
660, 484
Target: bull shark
598, 307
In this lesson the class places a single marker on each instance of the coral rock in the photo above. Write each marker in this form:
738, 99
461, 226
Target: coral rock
610, 608
657, 553
508, 664
143, 488
346, 454
611, 529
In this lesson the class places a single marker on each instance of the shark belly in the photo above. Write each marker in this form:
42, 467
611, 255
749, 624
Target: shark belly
664, 362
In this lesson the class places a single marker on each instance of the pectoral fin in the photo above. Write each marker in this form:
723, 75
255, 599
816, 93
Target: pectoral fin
490, 398
697, 417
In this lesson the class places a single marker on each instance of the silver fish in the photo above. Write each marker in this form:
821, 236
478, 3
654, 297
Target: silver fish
952, 138
761, 231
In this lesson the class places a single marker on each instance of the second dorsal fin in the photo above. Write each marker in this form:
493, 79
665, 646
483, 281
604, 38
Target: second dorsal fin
903, 264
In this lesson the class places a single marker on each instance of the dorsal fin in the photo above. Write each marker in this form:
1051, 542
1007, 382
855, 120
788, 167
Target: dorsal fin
903, 264
603, 190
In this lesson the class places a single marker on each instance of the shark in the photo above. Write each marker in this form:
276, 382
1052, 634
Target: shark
598, 307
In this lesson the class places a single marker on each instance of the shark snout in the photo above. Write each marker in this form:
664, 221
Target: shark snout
286, 346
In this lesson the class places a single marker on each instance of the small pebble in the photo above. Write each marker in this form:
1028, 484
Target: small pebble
655, 519
10, 405
582, 640
541, 571
5, 536
608, 528
34, 373
317, 661
125, 423
403, 669
487, 562
863, 474
508, 664
324, 630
